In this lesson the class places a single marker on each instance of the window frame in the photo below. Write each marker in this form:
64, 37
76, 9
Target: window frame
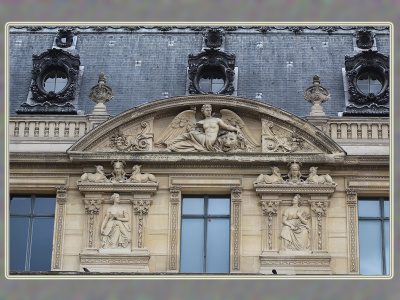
381, 220
204, 217
31, 217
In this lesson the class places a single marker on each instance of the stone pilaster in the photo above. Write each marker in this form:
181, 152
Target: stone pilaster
236, 197
61, 199
175, 200
352, 228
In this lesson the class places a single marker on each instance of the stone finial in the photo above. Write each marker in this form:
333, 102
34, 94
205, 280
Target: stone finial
101, 94
316, 95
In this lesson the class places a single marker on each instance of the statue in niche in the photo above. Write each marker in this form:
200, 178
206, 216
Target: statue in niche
98, 177
115, 228
294, 173
295, 234
141, 177
184, 134
274, 178
313, 178
118, 173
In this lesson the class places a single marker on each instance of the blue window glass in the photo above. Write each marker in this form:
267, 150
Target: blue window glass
31, 232
374, 235
205, 234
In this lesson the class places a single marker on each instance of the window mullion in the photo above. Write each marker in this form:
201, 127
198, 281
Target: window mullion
30, 231
381, 203
205, 217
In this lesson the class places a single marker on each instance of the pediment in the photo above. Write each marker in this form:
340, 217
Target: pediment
178, 129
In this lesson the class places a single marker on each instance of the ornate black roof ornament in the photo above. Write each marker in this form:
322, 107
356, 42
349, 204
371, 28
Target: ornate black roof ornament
213, 38
65, 37
54, 80
368, 78
210, 65
365, 38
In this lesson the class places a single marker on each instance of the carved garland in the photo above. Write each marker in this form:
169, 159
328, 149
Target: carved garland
61, 199
140, 208
174, 200
352, 205
319, 208
236, 199
92, 207
270, 208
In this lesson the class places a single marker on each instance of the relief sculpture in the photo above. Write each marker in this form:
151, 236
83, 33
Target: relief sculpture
295, 234
225, 134
115, 228
118, 173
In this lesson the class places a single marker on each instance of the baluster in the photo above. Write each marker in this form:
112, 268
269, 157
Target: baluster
46, 129
359, 131
330, 130
66, 129
36, 132
57, 129
369, 131
26, 131
339, 131
16, 129
380, 131
76, 134
349, 131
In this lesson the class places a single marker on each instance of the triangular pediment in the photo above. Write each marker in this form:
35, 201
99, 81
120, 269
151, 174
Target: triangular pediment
179, 127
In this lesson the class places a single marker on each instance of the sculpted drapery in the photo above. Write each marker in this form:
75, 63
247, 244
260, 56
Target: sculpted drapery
115, 228
295, 234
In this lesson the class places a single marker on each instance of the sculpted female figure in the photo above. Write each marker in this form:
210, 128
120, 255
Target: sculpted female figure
197, 141
115, 227
295, 234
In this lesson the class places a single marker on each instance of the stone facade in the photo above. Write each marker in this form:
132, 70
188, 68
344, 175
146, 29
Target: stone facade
260, 154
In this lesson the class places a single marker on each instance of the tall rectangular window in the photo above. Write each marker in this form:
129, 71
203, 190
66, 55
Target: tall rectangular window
205, 235
31, 232
374, 235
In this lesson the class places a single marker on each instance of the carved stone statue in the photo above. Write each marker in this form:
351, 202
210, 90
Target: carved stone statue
184, 134
141, 177
313, 178
294, 173
95, 177
272, 179
118, 173
295, 234
115, 228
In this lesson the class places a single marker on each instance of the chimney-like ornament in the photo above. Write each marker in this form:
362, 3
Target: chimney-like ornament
101, 94
316, 95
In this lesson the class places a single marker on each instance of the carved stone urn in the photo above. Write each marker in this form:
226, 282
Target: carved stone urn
316, 95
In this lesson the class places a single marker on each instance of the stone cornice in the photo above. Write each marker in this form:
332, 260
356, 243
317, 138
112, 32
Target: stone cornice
143, 188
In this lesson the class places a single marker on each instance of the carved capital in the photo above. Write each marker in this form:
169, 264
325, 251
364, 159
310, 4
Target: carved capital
92, 206
175, 194
319, 207
141, 207
351, 196
270, 207
236, 192
61, 196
